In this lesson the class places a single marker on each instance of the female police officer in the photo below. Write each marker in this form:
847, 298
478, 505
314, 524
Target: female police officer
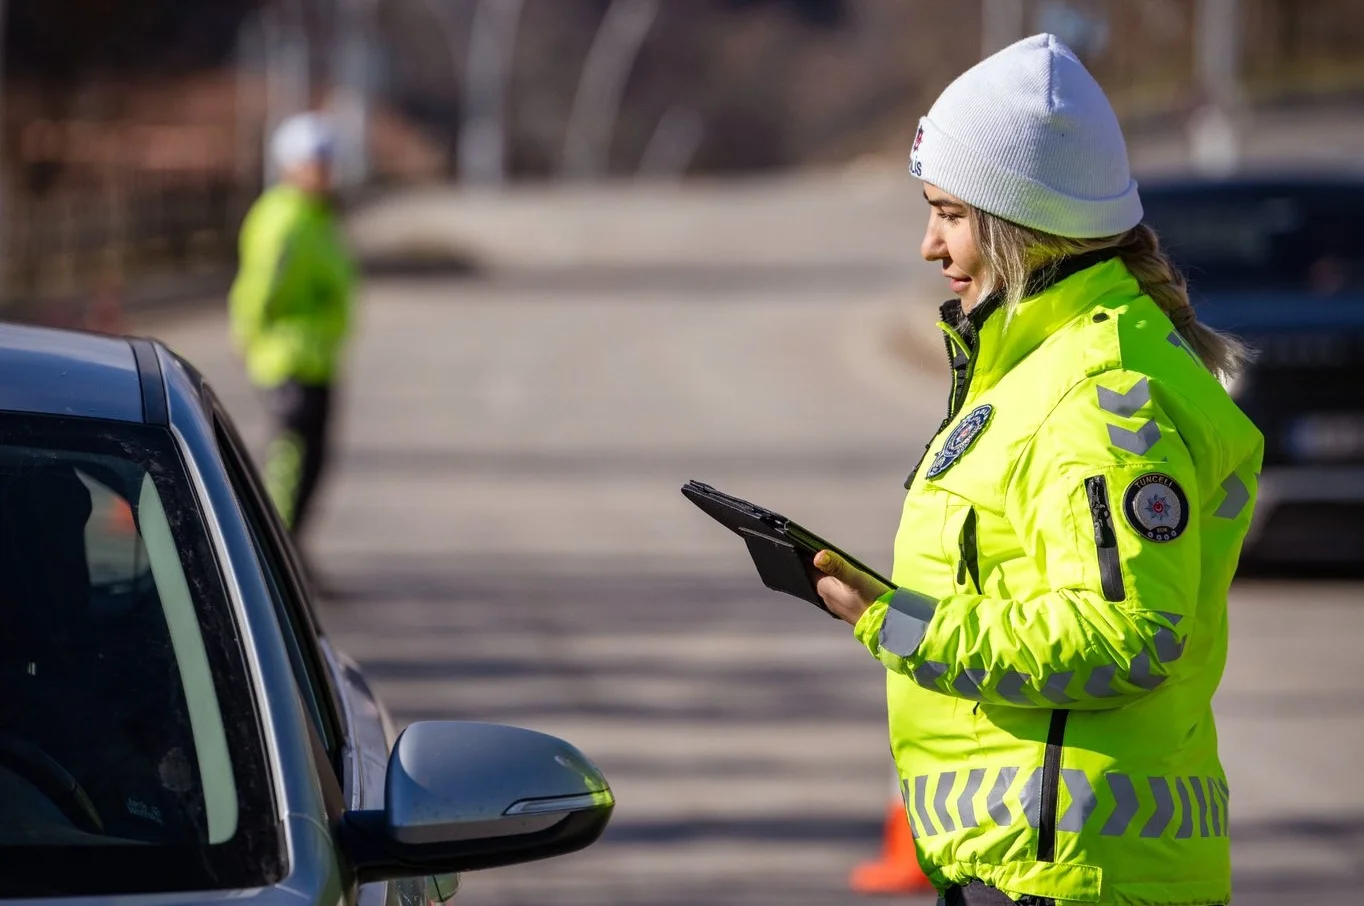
1068, 540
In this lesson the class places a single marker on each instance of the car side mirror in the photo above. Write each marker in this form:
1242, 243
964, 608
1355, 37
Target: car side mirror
463, 796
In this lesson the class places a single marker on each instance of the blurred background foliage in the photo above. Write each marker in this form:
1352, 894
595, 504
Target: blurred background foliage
133, 129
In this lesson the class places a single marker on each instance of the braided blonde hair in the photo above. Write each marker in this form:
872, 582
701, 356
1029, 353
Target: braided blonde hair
1012, 253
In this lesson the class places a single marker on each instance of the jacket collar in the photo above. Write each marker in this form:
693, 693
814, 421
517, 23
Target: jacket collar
1056, 295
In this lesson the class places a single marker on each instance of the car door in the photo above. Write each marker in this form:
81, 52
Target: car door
353, 732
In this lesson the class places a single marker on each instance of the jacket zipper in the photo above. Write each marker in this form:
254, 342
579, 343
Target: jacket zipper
970, 554
961, 382
1105, 539
1051, 786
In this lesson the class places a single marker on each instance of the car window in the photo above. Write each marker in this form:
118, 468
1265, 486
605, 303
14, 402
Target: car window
299, 629
1265, 239
130, 754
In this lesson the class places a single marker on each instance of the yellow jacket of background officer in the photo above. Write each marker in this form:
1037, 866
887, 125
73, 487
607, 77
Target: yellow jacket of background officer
290, 306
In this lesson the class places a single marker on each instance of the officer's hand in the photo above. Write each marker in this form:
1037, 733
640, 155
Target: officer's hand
846, 591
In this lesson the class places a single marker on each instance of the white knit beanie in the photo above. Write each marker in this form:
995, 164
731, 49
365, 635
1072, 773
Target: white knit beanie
301, 139
1028, 135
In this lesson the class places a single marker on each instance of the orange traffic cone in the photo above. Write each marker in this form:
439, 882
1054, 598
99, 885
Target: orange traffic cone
120, 519
897, 871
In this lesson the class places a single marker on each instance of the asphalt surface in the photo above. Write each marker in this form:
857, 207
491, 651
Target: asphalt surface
505, 532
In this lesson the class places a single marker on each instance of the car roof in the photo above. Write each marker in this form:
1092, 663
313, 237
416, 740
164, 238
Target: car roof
65, 372
1346, 180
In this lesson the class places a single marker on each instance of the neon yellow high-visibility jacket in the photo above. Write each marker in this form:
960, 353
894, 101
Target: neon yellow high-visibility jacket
290, 306
1060, 624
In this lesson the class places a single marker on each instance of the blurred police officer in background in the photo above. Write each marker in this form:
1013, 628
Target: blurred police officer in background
1068, 541
290, 309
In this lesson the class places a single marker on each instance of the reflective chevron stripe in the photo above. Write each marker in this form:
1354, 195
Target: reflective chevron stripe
1102, 681
1030, 798
1054, 689
967, 683
921, 806
1139, 441
1082, 801
1165, 807
946, 780
966, 805
1238, 495
1126, 807
1010, 688
928, 673
1157, 807
1186, 811
1127, 804
1125, 404
1202, 807
994, 803
1168, 648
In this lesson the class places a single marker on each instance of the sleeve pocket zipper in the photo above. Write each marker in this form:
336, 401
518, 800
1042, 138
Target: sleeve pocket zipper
1105, 539
970, 556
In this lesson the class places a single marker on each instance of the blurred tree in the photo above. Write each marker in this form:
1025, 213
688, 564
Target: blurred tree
66, 39
823, 13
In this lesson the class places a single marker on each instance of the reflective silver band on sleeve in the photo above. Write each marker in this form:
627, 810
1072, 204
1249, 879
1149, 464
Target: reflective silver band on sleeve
906, 622
912, 604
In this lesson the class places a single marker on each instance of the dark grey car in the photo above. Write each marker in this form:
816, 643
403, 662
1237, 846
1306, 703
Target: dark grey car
1279, 262
174, 727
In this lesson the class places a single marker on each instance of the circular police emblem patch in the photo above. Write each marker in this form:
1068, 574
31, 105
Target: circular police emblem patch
960, 440
1156, 506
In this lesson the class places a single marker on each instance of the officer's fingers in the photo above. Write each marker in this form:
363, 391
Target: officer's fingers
836, 593
832, 564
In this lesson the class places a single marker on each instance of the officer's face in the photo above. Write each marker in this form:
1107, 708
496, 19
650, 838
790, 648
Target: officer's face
314, 176
950, 239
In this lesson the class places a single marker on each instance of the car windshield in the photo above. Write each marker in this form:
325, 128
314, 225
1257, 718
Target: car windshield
1263, 239
130, 757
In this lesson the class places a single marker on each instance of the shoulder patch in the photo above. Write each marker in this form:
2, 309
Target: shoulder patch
1156, 507
960, 440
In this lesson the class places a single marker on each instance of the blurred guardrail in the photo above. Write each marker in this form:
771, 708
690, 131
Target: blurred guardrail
94, 210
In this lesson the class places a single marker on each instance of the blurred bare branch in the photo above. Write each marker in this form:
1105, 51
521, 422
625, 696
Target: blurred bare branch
488, 64
673, 145
605, 73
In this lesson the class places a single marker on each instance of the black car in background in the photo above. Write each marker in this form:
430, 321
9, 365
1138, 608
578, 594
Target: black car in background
1280, 263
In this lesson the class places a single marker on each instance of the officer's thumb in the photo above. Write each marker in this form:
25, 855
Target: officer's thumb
830, 564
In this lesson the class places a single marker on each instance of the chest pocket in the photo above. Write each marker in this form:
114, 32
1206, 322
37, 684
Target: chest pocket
968, 564
975, 537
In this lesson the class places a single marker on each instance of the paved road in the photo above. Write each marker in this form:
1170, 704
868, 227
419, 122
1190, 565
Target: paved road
506, 524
